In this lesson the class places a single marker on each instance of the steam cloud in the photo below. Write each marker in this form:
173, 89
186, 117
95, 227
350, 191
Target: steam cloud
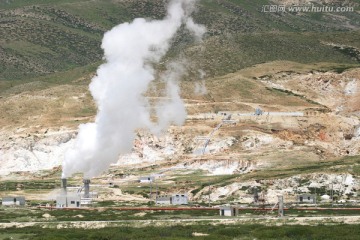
200, 88
130, 51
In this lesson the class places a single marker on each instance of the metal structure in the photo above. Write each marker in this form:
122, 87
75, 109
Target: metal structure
256, 195
226, 120
86, 188
209, 137
239, 209
281, 206
64, 185
75, 197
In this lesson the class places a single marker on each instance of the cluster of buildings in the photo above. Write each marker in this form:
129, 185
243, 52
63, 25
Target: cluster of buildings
168, 199
83, 196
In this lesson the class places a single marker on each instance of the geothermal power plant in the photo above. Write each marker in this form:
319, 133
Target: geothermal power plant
124, 90
77, 197
147, 143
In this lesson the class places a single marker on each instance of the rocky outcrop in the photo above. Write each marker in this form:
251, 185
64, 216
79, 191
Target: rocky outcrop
24, 151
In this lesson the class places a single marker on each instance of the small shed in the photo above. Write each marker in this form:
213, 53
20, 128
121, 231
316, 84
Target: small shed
147, 179
70, 201
175, 199
306, 198
258, 112
228, 211
13, 201
179, 199
163, 200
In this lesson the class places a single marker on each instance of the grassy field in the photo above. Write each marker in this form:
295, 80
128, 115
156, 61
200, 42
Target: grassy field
240, 50
243, 231
101, 214
345, 164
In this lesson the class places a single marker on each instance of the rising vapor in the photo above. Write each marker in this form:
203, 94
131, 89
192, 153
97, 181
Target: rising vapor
131, 50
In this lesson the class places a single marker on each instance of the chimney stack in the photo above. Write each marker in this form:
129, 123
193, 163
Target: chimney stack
63, 185
86, 188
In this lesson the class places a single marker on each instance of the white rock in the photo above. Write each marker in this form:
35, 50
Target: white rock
325, 197
351, 87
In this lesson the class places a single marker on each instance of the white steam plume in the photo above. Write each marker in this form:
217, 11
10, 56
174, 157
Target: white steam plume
131, 50
200, 87
171, 109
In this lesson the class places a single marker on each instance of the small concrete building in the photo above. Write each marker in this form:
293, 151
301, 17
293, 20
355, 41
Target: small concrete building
163, 200
147, 179
13, 201
306, 198
175, 199
70, 201
179, 199
228, 211
258, 112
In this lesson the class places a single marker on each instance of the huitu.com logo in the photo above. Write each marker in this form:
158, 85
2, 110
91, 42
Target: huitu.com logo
306, 8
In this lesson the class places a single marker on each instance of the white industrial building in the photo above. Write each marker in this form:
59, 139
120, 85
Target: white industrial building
68, 201
163, 200
147, 179
175, 199
228, 211
306, 198
13, 201
83, 196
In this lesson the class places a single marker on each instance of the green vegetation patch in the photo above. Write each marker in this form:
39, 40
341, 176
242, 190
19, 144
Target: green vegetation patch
243, 231
26, 185
341, 165
42, 37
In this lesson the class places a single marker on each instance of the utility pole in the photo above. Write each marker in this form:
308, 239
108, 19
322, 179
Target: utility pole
150, 190
281, 206
156, 189
332, 194
209, 194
